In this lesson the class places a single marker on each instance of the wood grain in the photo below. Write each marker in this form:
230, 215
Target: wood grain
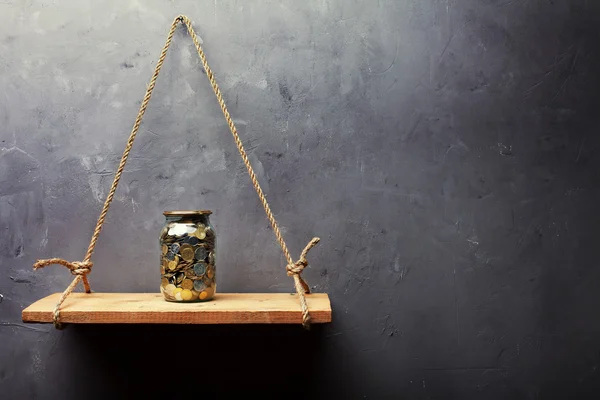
151, 308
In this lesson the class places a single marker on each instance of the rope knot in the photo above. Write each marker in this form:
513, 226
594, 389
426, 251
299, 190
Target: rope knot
82, 267
76, 267
296, 268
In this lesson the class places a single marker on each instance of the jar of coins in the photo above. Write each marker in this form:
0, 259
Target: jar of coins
187, 261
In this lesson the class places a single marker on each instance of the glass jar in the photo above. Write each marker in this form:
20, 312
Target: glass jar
187, 261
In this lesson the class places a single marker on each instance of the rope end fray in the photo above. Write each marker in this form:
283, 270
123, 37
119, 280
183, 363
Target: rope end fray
306, 321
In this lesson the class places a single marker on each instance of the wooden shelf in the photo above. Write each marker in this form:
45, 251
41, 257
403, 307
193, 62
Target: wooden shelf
151, 308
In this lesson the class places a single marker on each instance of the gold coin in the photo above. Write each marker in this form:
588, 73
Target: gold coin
164, 249
172, 265
189, 273
187, 252
187, 284
164, 282
210, 272
200, 233
163, 232
210, 291
203, 295
186, 294
177, 291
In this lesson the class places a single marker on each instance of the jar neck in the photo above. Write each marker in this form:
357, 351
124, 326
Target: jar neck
193, 219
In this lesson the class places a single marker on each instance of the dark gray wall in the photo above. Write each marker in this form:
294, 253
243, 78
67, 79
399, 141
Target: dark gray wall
446, 151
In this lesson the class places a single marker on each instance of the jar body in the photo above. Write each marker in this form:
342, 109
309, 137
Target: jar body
187, 262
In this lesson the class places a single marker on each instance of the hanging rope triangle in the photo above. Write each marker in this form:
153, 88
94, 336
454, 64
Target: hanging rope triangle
82, 268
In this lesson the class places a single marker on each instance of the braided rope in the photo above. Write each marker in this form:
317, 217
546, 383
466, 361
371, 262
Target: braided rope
82, 268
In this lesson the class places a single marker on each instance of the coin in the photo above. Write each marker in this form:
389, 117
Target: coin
164, 282
170, 255
210, 271
175, 248
210, 291
200, 253
172, 265
199, 286
187, 252
169, 289
167, 295
164, 249
180, 277
184, 264
199, 232
211, 258
168, 240
193, 240
186, 294
187, 284
189, 273
200, 269
207, 294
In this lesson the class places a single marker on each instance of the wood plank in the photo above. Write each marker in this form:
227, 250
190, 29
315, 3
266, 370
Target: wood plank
151, 308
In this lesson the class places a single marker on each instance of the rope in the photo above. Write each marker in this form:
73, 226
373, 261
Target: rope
82, 268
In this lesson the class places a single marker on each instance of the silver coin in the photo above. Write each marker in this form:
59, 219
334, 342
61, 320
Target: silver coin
200, 253
199, 285
200, 269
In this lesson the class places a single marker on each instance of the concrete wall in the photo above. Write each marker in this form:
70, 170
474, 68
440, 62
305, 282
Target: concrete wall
446, 152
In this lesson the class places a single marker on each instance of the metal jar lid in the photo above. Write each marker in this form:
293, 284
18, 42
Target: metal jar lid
184, 213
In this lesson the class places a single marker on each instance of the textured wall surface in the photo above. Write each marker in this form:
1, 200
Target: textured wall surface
446, 152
